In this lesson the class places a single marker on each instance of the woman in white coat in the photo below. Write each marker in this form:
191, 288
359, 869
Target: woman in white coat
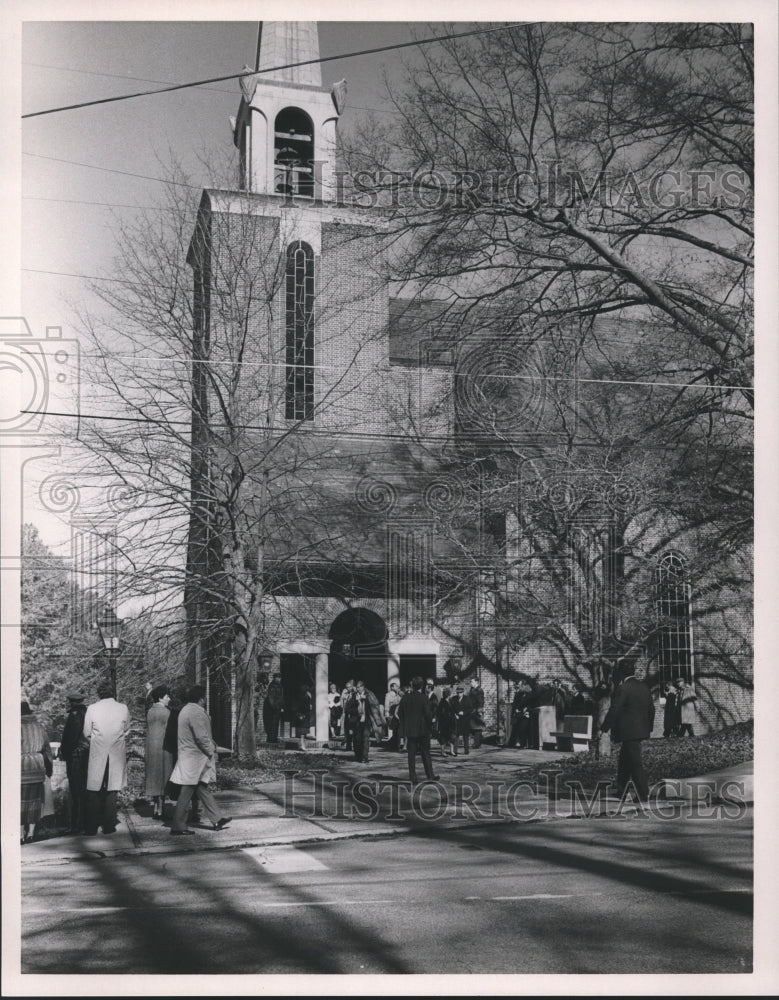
196, 763
105, 726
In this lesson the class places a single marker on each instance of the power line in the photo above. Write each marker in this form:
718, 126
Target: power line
272, 69
213, 90
114, 170
98, 204
70, 274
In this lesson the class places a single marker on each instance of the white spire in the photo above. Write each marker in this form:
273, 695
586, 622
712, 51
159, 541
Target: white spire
286, 42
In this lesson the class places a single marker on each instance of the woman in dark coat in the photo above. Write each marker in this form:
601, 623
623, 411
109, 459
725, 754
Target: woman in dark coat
37, 765
74, 750
159, 761
671, 712
303, 710
446, 722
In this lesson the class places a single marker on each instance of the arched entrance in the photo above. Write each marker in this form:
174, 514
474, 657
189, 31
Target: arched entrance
358, 649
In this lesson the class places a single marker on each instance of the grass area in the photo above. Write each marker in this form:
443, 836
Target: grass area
687, 757
269, 766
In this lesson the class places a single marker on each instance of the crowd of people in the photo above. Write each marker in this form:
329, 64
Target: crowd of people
356, 715
180, 761
180, 752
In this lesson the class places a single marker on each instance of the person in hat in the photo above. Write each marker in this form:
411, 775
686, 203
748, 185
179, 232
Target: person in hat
106, 724
74, 750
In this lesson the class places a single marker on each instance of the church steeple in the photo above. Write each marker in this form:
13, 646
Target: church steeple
285, 42
285, 128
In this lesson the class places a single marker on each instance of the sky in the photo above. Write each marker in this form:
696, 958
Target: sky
83, 172
78, 166
86, 171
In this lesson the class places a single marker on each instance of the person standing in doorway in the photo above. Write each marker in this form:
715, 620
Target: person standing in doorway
74, 750
196, 763
630, 718
272, 709
106, 725
348, 731
334, 711
391, 703
416, 715
304, 710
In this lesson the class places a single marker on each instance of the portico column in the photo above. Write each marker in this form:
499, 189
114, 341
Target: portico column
322, 731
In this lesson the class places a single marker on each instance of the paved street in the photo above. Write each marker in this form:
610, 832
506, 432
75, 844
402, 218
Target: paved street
558, 896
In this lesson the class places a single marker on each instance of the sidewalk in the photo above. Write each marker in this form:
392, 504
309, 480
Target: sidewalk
365, 800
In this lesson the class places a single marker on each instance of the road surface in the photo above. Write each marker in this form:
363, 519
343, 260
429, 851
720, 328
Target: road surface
564, 896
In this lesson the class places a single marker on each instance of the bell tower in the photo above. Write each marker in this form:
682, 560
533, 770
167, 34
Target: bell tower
286, 122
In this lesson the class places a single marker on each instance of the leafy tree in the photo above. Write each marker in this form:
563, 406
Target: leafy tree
56, 658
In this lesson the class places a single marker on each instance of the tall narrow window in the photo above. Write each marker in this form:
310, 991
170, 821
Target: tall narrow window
300, 332
672, 608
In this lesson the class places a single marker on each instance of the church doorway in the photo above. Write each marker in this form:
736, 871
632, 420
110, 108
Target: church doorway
358, 650
297, 669
417, 665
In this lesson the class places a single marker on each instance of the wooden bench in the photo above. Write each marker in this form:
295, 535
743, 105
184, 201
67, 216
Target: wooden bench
576, 734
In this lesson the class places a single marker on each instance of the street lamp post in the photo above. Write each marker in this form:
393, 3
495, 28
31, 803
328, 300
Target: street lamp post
110, 628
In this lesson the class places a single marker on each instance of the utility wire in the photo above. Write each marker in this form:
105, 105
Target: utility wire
273, 69
213, 90
114, 170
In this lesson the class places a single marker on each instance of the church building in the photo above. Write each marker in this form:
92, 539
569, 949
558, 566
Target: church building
353, 514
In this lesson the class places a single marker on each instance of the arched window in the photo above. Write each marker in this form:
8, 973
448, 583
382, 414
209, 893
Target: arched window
293, 153
299, 396
672, 609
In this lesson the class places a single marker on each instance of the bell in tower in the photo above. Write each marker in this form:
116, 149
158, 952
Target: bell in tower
285, 129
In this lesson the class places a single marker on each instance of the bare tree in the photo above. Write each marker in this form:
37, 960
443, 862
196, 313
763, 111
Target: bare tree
222, 480
592, 183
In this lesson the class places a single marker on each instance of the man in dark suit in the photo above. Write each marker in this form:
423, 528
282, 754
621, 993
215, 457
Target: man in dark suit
463, 708
416, 720
630, 718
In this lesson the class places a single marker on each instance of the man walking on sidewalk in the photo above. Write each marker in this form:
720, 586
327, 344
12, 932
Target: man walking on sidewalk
416, 717
106, 723
196, 764
630, 719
